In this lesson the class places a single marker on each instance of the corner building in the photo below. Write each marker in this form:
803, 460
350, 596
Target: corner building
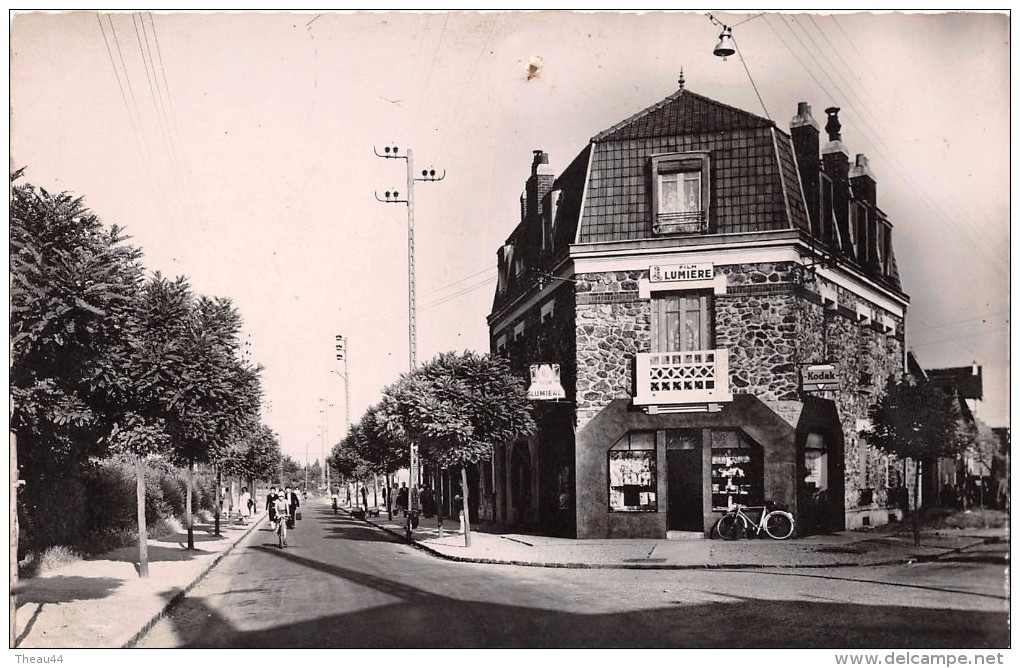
723, 300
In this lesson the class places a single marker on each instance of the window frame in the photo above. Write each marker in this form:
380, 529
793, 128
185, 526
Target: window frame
660, 319
624, 449
681, 221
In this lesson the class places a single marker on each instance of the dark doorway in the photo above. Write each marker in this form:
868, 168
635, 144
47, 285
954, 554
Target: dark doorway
685, 512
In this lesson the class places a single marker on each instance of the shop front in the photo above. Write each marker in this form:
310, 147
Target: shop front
650, 476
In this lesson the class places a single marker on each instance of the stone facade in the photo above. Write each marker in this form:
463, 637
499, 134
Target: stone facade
612, 325
771, 320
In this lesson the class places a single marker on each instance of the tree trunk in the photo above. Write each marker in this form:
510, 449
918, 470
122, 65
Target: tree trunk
219, 501
143, 536
437, 495
917, 503
188, 516
13, 518
375, 490
389, 498
465, 505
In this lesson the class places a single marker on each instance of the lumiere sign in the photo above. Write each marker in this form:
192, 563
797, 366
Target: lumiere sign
819, 377
545, 382
659, 273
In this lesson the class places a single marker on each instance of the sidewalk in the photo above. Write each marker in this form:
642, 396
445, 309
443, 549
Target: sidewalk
846, 548
102, 603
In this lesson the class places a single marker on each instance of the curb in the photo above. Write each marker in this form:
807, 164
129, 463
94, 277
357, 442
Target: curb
674, 567
179, 596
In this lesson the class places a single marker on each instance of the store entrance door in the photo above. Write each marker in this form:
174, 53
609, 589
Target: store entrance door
685, 490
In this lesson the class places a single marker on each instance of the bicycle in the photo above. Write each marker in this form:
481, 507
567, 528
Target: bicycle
281, 529
777, 524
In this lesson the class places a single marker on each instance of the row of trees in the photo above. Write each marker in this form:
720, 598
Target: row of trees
455, 407
919, 420
105, 362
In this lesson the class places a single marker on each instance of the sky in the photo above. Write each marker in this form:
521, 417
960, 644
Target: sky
238, 150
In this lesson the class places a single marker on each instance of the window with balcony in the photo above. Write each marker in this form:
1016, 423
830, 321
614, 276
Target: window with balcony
680, 193
682, 367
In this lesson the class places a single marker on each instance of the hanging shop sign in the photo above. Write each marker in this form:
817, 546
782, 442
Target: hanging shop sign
819, 377
545, 382
662, 273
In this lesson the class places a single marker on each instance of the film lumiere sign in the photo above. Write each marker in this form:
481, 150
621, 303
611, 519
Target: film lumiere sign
545, 383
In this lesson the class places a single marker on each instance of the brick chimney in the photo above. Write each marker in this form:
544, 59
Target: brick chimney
836, 162
804, 131
862, 181
535, 190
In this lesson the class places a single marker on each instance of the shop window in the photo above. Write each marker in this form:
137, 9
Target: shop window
680, 193
737, 473
816, 463
632, 470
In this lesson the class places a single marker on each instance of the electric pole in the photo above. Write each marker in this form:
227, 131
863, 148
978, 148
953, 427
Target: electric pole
393, 197
341, 356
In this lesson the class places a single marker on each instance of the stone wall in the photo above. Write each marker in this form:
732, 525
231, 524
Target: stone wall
756, 320
866, 358
612, 325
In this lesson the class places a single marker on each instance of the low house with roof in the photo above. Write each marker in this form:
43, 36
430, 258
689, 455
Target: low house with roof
723, 303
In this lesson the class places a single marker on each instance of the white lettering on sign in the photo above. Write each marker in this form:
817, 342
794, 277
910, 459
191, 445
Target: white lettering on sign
681, 272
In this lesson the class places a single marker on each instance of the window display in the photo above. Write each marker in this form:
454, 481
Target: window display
632, 474
736, 471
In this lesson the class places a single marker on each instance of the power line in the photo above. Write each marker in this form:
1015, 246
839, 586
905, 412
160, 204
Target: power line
949, 203
959, 322
750, 78
888, 155
123, 97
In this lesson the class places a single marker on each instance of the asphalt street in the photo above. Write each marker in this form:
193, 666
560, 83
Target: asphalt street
343, 584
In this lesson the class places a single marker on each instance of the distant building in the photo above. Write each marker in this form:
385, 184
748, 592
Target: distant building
723, 301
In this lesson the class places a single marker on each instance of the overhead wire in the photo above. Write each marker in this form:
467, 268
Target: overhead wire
123, 97
866, 110
877, 137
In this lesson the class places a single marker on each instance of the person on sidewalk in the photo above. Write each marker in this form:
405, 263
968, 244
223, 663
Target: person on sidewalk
458, 507
402, 499
428, 506
245, 505
364, 498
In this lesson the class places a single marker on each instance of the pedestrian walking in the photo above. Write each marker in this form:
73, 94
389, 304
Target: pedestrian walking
428, 506
244, 501
402, 499
364, 497
294, 501
271, 507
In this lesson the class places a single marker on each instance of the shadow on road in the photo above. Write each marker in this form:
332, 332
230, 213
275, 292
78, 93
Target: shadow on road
425, 619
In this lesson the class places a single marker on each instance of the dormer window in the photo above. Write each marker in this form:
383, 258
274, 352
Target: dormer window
680, 193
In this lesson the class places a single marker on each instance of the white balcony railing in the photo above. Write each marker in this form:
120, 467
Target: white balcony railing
691, 377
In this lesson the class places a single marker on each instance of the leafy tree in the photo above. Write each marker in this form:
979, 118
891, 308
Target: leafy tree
73, 286
255, 456
983, 450
458, 407
917, 420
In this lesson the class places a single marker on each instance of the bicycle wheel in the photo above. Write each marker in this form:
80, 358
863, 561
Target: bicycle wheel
779, 524
729, 527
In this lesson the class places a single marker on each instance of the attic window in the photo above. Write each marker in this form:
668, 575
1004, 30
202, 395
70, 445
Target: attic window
501, 343
680, 193
518, 331
547, 310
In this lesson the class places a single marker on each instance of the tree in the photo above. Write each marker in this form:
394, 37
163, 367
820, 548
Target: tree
917, 420
73, 285
255, 456
458, 407
983, 450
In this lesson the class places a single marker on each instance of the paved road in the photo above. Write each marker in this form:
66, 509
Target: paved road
341, 583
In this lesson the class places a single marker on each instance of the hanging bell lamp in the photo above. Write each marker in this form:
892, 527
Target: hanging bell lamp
725, 46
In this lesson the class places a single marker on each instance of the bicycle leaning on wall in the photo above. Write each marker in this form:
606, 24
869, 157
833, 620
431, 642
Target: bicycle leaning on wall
777, 524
